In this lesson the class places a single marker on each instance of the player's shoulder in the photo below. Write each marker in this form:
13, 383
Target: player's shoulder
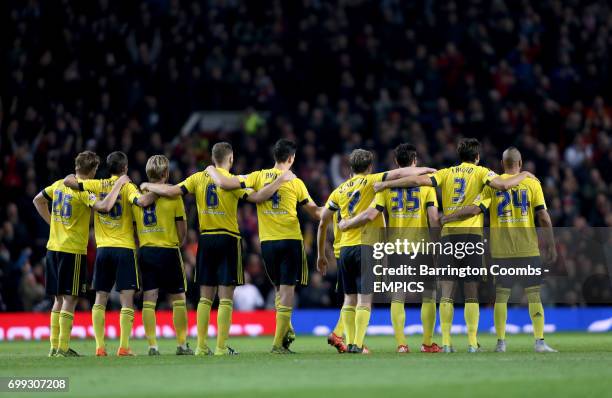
532, 183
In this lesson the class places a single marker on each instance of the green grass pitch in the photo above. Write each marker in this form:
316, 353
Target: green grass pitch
581, 368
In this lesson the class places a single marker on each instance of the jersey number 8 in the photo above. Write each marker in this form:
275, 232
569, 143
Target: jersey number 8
149, 216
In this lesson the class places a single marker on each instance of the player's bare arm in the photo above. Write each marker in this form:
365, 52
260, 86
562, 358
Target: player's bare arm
146, 199
326, 218
408, 171
505, 184
359, 220
550, 250
434, 222
107, 204
461, 214
313, 210
266, 192
165, 190
41, 205
404, 182
181, 229
223, 182
71, 181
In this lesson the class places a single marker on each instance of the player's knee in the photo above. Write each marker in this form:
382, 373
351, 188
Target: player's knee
350, 299
101, 298
150, 295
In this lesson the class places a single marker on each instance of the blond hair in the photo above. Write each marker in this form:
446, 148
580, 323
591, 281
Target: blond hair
86, 162
157, 167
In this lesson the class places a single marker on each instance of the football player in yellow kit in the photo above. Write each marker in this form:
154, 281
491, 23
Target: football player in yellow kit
66, 267
411, 213
351, 198
460, 185
514, 242
219, 259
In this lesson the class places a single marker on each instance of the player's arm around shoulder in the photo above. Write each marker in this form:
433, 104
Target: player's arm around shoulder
267, 191
158, 189
104, 206
406, 177
222, 181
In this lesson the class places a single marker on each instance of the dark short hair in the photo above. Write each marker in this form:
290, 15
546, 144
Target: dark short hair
86, 162
283, 150
360, 160
220, 151
405, 154
468, 149
117, 161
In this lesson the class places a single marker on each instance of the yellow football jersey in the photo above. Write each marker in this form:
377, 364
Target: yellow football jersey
460, 185
407, 210
351, 198
156, 224
217, 208
512, 218
337, 236
277, 216
70, 211
115, 228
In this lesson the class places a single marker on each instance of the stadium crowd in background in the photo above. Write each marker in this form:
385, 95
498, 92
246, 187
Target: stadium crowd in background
333, 76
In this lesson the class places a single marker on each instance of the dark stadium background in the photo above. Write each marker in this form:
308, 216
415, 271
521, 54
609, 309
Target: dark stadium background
332, 75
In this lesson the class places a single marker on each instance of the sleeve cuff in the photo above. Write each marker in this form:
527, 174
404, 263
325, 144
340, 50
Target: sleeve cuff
380, 208
46, 196
482, 207
184, 190
540, 207
429, 204
181, 218
303, 202
81, 186
242, 185
332, 208
488, 182
434, 182
245, 196
384, 177
135, 201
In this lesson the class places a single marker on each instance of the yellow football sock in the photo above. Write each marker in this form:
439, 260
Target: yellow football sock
179, 319
447, 311
224, 321
54, 329
65, 325
203, 319
398, 320
536, 311
98, 313
428, 319
148, 320
500, 311
471, 314
339, 328
126, 321
362, 320
277, 303
283, 322
347, 314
